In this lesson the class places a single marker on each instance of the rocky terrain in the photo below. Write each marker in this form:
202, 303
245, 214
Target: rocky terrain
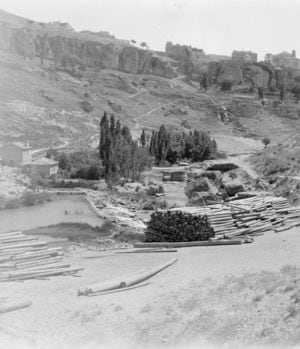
66, 79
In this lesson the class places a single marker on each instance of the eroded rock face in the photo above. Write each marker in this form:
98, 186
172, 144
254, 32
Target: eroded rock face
232, 71
22, 42
72, 52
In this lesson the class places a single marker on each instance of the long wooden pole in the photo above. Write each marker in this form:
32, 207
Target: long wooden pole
13, 307
186, 244
124, 282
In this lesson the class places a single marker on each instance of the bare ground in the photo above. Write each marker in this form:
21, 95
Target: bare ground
212, 295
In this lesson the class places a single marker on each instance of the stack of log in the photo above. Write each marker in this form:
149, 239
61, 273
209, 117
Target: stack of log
23, 257
251, 216
178, 226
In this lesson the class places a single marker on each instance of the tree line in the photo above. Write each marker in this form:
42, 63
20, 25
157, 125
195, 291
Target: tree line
167, 145
123, 157
120, 156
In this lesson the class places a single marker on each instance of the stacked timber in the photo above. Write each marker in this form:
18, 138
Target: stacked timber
170, 226
249, 216
23, 257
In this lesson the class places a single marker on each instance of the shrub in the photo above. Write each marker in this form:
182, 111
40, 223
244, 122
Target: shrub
12, 203
86, 106
161, 189
30, 198
266, 141
226, 85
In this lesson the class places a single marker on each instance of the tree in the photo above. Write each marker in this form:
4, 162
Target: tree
163, 142
282, 92
226, 85
104, 135
121, 156
260, 92
296, 92
143, 45
204, 82
143, 139
63, 162
266, 141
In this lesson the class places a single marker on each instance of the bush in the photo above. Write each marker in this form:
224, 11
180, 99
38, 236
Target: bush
86, 106
266, 141
12, 203
161, 189
30, 198
226, 85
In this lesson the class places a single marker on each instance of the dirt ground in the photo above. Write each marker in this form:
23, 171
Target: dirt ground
212, 297
61, 319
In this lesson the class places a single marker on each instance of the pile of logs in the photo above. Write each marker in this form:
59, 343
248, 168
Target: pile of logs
245, 217
170, 226
23, 257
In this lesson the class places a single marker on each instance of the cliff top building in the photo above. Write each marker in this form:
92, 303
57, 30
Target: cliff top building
284, 59
245, 56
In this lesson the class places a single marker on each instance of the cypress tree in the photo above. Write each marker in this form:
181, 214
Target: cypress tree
143, 138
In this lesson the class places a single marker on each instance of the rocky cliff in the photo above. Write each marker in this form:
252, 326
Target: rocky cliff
68, 50
58, 45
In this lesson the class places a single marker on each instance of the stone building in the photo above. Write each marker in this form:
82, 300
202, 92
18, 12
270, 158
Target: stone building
43, 167
245, 56
286, 60
183, 52
269, 58
15, 154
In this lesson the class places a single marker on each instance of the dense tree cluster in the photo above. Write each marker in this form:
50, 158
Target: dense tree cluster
174, 146
78, 164
121, 156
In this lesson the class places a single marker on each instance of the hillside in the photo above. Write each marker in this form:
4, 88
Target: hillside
56, 84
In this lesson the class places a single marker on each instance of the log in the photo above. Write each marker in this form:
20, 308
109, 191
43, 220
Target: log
121, 282
39, 263
13, 307
38, 274
150, 250
186, 244
8, 241
21, 245
119, 290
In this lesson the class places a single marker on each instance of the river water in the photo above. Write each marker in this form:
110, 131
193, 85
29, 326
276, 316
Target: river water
62, 209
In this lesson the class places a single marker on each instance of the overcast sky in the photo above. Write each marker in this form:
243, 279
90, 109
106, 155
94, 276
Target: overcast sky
217, 26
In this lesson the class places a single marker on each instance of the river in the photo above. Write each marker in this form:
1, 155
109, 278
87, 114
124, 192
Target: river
62, 209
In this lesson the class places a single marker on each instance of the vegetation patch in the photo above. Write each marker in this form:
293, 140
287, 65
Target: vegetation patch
75, 232
28, 198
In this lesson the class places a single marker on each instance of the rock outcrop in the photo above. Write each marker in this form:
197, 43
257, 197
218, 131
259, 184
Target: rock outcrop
65, 49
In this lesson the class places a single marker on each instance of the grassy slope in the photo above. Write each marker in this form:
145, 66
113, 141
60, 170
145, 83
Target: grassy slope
254, 309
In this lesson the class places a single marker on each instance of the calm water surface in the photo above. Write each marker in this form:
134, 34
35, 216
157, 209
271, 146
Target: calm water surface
63, 209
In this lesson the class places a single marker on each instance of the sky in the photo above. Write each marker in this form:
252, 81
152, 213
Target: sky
217, 26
